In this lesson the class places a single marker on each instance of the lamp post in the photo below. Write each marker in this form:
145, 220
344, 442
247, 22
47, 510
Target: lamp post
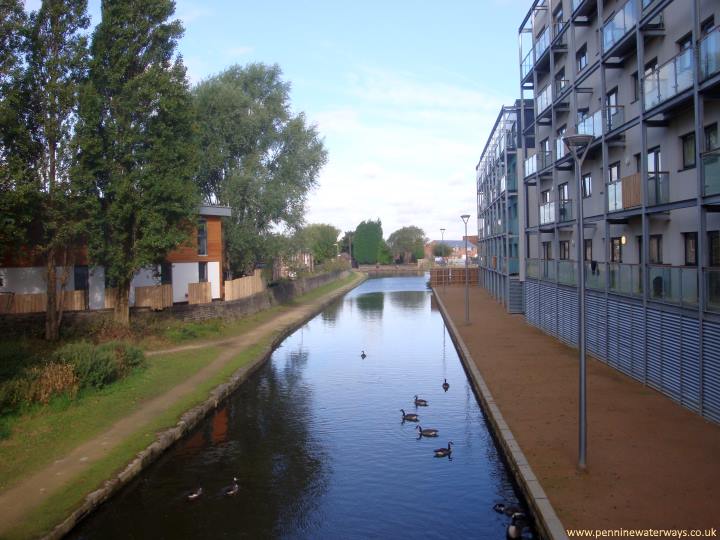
578, 145
465, 218
442, 243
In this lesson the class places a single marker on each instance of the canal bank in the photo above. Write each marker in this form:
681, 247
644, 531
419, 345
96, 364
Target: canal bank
37, 495
652, 464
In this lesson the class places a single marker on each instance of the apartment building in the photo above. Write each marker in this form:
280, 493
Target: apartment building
642, 77
499, 208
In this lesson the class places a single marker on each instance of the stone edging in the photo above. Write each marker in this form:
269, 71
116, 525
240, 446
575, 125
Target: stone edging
546, 520
191, 418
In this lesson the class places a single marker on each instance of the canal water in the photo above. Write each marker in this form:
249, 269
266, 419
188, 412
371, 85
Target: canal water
316, 441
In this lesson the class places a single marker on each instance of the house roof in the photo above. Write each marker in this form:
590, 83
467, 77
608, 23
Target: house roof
212, 210
458, 244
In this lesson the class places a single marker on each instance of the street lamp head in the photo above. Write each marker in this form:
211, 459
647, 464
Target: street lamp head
465, 218
577, 140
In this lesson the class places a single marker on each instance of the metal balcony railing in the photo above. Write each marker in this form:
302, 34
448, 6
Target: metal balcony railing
532, 268
565, 210
669, 79
530, 165
619, 25
547, 269
513, 266
591, 125
674, 284
547, 213
542, 43
544, 159
615, 116
625, 278
595, 275
711, 170
710, 54
566, 272
658, 188
625, 193
527, 64
712, 289
558, 27
560, 86
543, 100
576, 4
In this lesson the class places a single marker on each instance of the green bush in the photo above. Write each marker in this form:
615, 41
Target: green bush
98, 366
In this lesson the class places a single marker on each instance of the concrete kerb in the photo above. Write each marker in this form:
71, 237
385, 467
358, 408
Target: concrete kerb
546, 520
166, 438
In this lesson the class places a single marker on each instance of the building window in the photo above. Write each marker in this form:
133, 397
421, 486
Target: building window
690, 248
202, 237
685, 42
81, 278
616, 249
636, 87
711, 137
656, 249
588, 249
563, 192
166, 273
545, 196
586, 185
688, 150
564, 250
581, 58
707, 25
547, 250
614, 173
714, 248
202, 272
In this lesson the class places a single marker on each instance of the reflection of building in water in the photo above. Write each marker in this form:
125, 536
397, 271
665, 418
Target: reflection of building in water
220, 426
408, 299
433, 303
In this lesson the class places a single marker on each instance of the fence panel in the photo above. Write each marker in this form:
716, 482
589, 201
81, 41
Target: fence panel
244, 286
156, 297
199, 293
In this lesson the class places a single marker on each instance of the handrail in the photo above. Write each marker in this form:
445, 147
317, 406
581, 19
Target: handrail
617, 27
710, 53
669, 79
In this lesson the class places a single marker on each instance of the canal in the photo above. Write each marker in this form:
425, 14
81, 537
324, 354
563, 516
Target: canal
316, 441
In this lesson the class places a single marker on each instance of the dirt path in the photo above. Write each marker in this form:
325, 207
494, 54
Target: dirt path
651, 462
32, 491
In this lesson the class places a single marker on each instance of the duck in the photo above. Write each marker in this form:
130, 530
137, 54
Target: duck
363, 355
446, 386
420, 402
232, 489
195, 494
410, 417
518, 522
444, 452
427, 432
509, 511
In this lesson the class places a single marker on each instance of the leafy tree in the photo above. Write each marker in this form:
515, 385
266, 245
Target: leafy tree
321, 240
385, 256
367, 241
255, 156
407, 244
346, 242
136, 141
441, 250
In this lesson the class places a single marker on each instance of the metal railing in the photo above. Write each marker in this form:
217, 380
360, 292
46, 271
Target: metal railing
513, 266
544, 159
560, 86
658, 188
712, 289
624, 193
532, 267
566, 272
619, 25
711, 171
544, 99
576, 4
710, 54
558, 27
530, 165
669, 79
542, 43
547, 269
591, 125
595, 275
673, 284
527, 64
565, 210
547, 213
625, 278
615, 116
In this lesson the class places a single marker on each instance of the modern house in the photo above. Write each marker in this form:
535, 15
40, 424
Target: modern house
198, 261
499, 208
642, 78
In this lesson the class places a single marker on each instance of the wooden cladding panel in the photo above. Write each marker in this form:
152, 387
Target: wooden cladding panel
189, 251
199, 293
631, 191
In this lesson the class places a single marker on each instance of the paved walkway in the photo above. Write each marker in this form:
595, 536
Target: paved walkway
32, 491
651, 462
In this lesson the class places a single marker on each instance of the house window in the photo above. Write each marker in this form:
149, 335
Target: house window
588, 249
202, 237
202, 272
616, 249
714, 248
711, 137
166, 273
564, 250
688, 150
690, 248
656, 249
581, 58
81, 277
586, 185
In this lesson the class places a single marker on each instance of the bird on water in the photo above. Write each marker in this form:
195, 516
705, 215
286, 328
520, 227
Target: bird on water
446, 386
444, 452
410, 417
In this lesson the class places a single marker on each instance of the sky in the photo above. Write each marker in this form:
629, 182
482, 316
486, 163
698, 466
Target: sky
403, 92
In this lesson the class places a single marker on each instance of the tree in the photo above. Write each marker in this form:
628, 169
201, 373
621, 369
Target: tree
441, 250
136, 142
256, 156
321, 240
367, 241
407, 244
346, 242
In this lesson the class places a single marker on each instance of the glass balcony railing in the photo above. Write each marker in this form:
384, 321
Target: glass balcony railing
527, 64
591, 125
674, 284
625, 278
558, 27
542, 43
566, 272
712, 289
576, 4
547, 269
711, 170
544, 159
658, 188
615, 116
560, 86
710, 54
503, 184
532, 268
625, 193
646, 3
565, 210
513, 266
530, 165
619, 25
560, 148
543, 100
669, 79
595, 275
547, 213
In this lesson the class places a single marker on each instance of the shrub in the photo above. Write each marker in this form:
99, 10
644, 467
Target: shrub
50, 380
98, 366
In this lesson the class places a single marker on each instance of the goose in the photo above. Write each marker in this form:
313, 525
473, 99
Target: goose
363, 355
446, 386
420, 402
410, 417
509, 511
427, 432
195, 494
444, 452
518, 522
233, 488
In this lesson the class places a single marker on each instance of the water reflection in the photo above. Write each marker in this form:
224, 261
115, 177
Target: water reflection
371, 305
410, 300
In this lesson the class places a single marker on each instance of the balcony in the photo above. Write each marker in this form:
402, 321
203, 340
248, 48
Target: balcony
616, 28
544, 159
532, 268
674, 284
625, 279
595, 275
566, 272
711, 170
591, 125
560, 86
625, 193
542, 43
615, 116
710, 54
558, 27
543, 100
658, 188
547, 269
669, 79
527, 64
566, 210
712, 289
530, 165
513, 266
547, 213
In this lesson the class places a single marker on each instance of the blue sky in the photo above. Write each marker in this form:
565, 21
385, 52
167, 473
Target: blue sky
404, 93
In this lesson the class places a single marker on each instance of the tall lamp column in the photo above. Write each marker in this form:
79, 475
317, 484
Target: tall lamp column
465, 218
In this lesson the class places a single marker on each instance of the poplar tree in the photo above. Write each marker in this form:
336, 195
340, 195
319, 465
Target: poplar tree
136, 142
368, 242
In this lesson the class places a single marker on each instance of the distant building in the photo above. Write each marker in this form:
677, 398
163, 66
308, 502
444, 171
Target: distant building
457, 247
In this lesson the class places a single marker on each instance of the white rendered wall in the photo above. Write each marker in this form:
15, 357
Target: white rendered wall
144, 278
31, 280
182, 274
214, 278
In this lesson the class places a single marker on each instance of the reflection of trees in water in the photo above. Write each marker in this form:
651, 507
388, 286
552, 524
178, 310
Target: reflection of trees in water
329, 315
371, 305
408, 299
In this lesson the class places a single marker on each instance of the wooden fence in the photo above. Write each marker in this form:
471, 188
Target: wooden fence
37, 302
155, 297
244, 286
199, 293
453, 276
